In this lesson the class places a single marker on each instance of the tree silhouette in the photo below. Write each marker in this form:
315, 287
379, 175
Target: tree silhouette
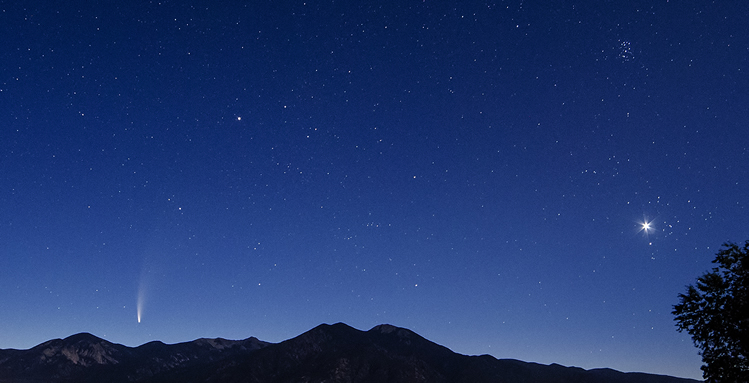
715, 313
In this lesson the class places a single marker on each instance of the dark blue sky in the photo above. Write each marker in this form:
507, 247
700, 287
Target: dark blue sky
478, 172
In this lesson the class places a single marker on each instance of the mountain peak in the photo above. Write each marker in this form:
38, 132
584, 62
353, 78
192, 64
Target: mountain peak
385, 328
405, 336
83, 337
82, 349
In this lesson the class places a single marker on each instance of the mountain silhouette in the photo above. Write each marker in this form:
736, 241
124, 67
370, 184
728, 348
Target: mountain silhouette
326, 353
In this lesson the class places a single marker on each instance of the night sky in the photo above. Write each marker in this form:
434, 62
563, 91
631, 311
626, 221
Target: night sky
479, 173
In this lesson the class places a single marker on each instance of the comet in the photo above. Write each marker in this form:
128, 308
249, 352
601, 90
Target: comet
141, 297
141, 300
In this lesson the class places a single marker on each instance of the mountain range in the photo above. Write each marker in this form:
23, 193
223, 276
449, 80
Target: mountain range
327, 353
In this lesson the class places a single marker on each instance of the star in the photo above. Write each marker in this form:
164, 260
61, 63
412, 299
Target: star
646, 226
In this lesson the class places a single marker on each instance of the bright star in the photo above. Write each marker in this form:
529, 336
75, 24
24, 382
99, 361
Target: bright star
646, 226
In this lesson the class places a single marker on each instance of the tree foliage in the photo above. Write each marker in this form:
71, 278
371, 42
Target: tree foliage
715, 312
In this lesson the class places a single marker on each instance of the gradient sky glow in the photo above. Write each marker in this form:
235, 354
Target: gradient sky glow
479, 173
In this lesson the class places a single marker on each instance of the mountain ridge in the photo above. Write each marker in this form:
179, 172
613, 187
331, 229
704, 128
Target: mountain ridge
326, 353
